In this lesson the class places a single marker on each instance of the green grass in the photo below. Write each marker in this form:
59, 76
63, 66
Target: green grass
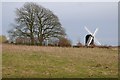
55, 62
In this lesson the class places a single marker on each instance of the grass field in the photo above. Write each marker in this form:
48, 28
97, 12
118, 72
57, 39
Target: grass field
56, 62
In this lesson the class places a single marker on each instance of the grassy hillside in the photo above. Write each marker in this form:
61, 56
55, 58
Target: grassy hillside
56, 62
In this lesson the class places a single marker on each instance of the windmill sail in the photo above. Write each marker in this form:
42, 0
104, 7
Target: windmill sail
92, 37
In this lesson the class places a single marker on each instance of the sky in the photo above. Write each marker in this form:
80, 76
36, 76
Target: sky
74, 16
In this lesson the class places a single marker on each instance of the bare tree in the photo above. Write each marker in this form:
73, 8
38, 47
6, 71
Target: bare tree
64, 42
34, 21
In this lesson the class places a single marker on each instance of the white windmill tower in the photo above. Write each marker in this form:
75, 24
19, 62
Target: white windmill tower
89, 39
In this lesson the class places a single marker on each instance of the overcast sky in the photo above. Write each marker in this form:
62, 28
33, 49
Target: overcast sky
73, 17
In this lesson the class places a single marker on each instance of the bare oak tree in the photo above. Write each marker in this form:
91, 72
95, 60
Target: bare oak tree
34, 21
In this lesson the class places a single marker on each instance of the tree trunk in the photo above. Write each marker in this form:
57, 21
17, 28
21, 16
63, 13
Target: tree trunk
32, 41
32, 38
41, 40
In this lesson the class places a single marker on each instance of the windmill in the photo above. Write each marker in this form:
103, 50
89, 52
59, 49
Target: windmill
89, 39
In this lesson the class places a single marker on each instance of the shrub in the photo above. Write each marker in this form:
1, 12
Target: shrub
64, 42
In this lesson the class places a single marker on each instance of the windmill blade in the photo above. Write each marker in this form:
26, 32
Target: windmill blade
97, 41
87, 30
90, 40
95, 32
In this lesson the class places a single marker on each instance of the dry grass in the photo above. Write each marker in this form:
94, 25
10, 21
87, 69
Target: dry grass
44, 62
